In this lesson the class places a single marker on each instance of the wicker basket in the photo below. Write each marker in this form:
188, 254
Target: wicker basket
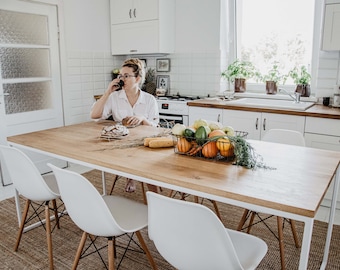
220, 149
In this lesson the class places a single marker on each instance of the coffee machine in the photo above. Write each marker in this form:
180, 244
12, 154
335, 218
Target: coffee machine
336, 96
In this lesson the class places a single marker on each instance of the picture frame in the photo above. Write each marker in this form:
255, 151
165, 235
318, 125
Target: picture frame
163, 65
144, 62
163, 81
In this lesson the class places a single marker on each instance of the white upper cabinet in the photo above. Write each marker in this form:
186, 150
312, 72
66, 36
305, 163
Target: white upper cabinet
331, 28
142, 26
125, 11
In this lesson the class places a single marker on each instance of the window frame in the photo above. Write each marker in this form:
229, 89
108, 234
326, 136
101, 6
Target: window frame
231, 43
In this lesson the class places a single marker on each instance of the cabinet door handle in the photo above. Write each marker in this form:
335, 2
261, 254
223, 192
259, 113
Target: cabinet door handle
264, 124
130, 13
257, 124
134, 12
218, 118
133, 50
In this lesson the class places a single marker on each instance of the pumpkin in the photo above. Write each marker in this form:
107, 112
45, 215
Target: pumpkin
183, 145
216, 132
225, 147
210, 150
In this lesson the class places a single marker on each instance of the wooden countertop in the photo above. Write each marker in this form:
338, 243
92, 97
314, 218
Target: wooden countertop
314, 111
297, 185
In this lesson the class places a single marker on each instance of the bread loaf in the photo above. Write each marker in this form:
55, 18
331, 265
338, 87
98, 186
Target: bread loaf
158, 142
161, 143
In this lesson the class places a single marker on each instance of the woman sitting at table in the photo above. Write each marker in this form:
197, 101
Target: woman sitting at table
132, 104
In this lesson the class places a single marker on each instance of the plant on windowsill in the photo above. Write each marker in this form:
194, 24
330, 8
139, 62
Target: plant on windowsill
272, 78
238, 72
301, 78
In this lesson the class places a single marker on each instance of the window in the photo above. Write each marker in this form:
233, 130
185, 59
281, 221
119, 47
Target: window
272, 32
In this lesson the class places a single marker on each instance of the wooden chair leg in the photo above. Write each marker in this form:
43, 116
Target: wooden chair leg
79, 250
243, 219
110, 251
146, 250
281, 244
251, 221
49, 234
56, 216
216, 210
143, 193
170, 193
114, 183
22, 224
296, 239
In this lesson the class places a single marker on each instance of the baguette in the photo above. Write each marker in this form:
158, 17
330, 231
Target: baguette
148, 140
161, 143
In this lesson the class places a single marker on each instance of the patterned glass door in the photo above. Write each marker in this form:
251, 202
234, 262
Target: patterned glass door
30, 84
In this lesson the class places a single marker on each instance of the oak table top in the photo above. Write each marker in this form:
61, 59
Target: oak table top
297, 185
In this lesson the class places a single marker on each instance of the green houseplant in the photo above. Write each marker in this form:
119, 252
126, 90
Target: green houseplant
272, 78
238, 72
115, 73
301, 78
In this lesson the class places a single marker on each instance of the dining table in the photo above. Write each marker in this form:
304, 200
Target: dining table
292, 184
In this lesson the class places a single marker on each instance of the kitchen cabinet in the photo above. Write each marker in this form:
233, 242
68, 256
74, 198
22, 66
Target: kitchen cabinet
323, 133
331, 27
209, 114
256, 123
125, 11
142, 26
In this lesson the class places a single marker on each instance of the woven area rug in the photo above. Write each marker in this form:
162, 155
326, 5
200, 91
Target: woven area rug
32, 253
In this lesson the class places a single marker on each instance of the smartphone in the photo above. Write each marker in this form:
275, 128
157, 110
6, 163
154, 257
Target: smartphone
120, 84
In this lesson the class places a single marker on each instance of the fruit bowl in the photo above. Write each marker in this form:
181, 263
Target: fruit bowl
216, 148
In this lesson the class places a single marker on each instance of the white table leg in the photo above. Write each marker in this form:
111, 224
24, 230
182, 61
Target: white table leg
17, 205
306, 241
331, 219
104, 183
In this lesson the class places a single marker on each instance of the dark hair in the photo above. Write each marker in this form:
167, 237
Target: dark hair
137, 67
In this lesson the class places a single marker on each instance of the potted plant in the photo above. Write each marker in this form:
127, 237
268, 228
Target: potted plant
115, 73
272, 78
301, 78
238, 72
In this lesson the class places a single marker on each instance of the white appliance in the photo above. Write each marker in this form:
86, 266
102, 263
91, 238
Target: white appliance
174, 109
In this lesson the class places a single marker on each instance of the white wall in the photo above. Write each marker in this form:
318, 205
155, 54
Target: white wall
88, 57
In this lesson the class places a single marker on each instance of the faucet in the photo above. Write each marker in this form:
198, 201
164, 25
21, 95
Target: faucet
295, 97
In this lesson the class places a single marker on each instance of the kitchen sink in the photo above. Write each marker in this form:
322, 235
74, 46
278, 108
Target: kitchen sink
271, 104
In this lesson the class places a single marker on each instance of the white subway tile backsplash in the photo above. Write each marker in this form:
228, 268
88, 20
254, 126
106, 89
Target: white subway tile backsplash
89, 73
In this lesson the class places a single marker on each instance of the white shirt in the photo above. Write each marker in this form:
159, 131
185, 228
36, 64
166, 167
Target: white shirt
119, 107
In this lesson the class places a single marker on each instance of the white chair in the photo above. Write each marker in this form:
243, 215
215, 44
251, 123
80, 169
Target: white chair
283, 136
97, 215
28, 181
190, 236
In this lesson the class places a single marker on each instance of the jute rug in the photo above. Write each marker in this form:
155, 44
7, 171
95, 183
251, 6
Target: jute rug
32, 253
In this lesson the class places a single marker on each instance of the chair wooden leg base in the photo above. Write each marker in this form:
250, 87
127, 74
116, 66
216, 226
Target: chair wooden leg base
22, 225
280, 220
146, 250
48, 228
79, 250
110, 252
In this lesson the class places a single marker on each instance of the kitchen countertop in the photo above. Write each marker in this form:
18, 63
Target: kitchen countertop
316, 110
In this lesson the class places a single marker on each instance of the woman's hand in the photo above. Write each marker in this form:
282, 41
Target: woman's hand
113, 86
135, 120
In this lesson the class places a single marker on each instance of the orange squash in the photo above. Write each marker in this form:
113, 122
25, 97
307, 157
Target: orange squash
210, 150
225, 147
216, 132
183, 145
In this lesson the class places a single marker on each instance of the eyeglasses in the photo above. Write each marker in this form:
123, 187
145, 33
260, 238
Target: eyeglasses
125, 76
